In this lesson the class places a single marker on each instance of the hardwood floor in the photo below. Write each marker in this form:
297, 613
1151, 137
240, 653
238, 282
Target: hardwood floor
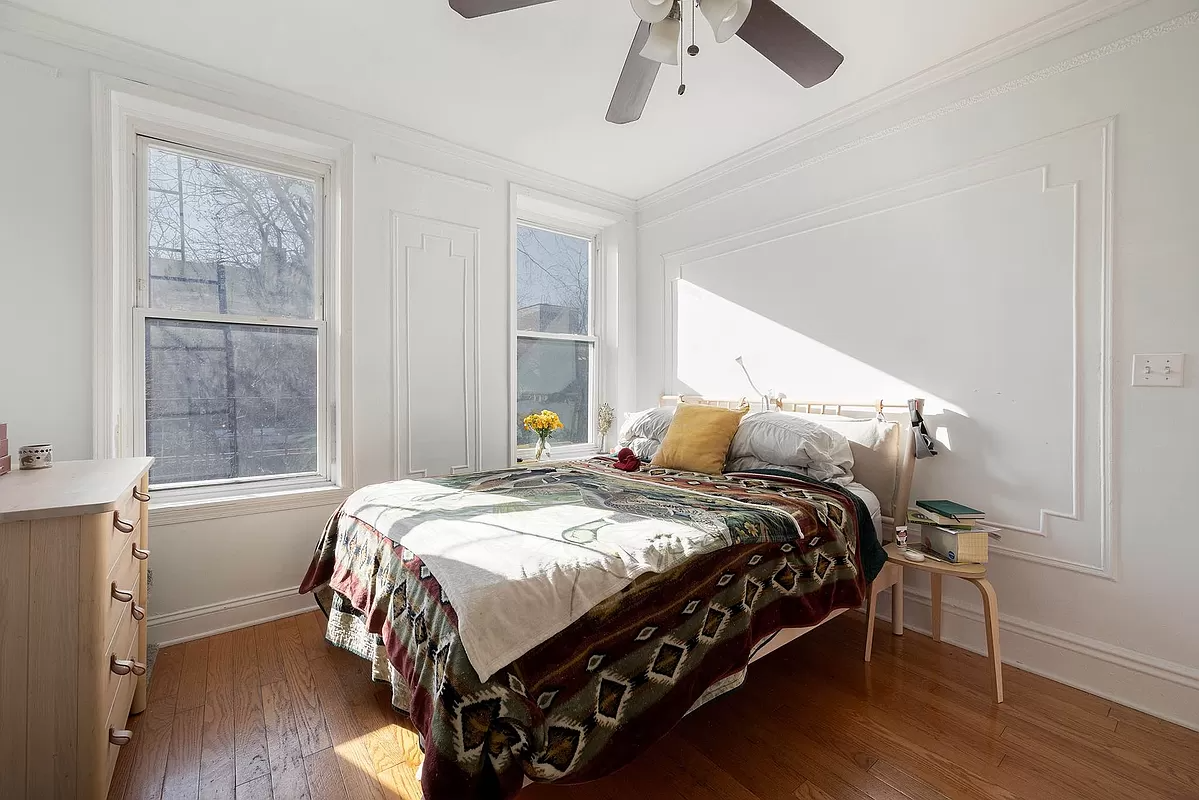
273, 711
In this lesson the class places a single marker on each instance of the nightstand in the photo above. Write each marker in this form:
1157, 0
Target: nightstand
892, 575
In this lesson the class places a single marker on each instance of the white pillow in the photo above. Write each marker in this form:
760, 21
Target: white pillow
876, 446
791, 441
643, 431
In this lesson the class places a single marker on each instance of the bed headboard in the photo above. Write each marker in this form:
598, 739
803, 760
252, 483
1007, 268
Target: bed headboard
884, 466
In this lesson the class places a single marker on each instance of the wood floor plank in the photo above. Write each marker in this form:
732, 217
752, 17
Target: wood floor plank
150, 764
257, 789
312, 633
194, 675
400, 783
324, 776
306, 700
904, 781
288, 778
810, 791
217, 772
249, 732
183, 758
168, 669
270, 667
357, 768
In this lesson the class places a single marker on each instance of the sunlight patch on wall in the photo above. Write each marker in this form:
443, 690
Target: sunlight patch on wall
713, 331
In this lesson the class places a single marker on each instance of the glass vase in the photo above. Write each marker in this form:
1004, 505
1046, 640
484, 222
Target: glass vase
542, 453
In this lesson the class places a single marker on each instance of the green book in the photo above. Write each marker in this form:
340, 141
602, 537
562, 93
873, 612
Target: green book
948, 508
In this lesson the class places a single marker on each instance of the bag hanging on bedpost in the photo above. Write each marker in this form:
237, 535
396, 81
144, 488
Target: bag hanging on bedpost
926, 446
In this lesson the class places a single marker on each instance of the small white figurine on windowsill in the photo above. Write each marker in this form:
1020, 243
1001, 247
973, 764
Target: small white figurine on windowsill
607, 415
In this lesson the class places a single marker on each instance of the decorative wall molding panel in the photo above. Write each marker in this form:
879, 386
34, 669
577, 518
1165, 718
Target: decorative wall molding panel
1060, 183
30, 63
1081, 60
417, 169
435, 311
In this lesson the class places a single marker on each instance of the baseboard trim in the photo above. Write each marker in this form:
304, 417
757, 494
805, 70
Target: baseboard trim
196, 623
1164, 689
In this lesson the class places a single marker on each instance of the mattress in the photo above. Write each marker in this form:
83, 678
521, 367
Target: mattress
872, 505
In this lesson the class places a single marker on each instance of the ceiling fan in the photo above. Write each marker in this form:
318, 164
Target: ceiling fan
660, 37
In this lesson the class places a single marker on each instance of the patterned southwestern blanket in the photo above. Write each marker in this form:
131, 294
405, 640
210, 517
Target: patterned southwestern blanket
774, 551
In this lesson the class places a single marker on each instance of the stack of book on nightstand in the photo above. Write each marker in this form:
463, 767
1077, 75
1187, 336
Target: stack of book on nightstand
951, 531
5, 458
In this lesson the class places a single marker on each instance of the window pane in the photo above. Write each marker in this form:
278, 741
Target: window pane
553, 276
229, 401
228, 239
554, 375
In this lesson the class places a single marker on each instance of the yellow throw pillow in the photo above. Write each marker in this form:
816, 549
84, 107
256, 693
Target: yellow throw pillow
698, 439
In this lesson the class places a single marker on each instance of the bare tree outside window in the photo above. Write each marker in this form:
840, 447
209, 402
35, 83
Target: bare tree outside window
555, 345
229, 399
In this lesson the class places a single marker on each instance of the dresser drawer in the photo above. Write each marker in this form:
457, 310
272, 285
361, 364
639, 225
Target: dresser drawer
124, 530
123, 648
118, 718
126, 577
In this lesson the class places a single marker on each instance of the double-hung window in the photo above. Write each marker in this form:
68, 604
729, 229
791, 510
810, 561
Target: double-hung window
230, 353
556, 334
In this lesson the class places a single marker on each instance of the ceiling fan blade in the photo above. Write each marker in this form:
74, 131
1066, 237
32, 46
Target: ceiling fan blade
481, 8
636, 80
789, 44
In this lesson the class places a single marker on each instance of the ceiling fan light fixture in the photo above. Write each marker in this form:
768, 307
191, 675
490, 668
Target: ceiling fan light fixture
725, 16
663, 43
652, 10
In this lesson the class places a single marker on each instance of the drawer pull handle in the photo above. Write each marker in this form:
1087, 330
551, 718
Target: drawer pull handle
138, 612
120, 524
120, 594
140, 554
120, 666
140, 496
119, 738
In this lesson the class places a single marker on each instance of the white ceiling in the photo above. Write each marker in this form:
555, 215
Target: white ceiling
533, 85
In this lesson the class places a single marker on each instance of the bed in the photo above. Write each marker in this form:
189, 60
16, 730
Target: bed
548, 622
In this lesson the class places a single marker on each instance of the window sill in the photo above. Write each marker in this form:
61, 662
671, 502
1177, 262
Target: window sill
524, 458
177, 506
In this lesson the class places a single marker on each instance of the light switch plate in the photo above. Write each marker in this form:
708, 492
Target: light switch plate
1158, 369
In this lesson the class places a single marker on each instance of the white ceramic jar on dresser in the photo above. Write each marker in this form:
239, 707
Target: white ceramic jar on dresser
73, 555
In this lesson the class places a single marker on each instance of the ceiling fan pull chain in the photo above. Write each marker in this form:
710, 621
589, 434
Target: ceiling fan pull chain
693, 50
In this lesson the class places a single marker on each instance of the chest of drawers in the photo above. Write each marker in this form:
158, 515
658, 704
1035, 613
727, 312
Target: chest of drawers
73, 560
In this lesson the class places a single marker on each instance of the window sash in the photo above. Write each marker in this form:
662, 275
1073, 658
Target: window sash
142, 312
324, 443
572, 448
592, 248
142, 207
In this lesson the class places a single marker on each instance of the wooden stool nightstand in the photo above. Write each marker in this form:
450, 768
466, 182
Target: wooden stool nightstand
892, 575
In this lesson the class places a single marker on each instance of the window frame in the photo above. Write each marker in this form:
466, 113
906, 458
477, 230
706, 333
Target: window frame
126, 113
594, 339
143, 312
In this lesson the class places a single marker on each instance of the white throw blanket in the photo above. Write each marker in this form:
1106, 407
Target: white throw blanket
516, 577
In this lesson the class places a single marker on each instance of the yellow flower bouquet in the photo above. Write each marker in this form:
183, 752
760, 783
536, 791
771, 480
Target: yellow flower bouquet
543, 423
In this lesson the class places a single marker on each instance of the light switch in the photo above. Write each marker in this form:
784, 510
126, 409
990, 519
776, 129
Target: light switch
1158, 369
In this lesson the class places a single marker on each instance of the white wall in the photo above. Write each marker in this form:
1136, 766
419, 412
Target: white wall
211, 573
1000, 244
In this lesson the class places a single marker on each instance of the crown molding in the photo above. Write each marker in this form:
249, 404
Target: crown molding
248, 94
1088, 57
1052, 26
